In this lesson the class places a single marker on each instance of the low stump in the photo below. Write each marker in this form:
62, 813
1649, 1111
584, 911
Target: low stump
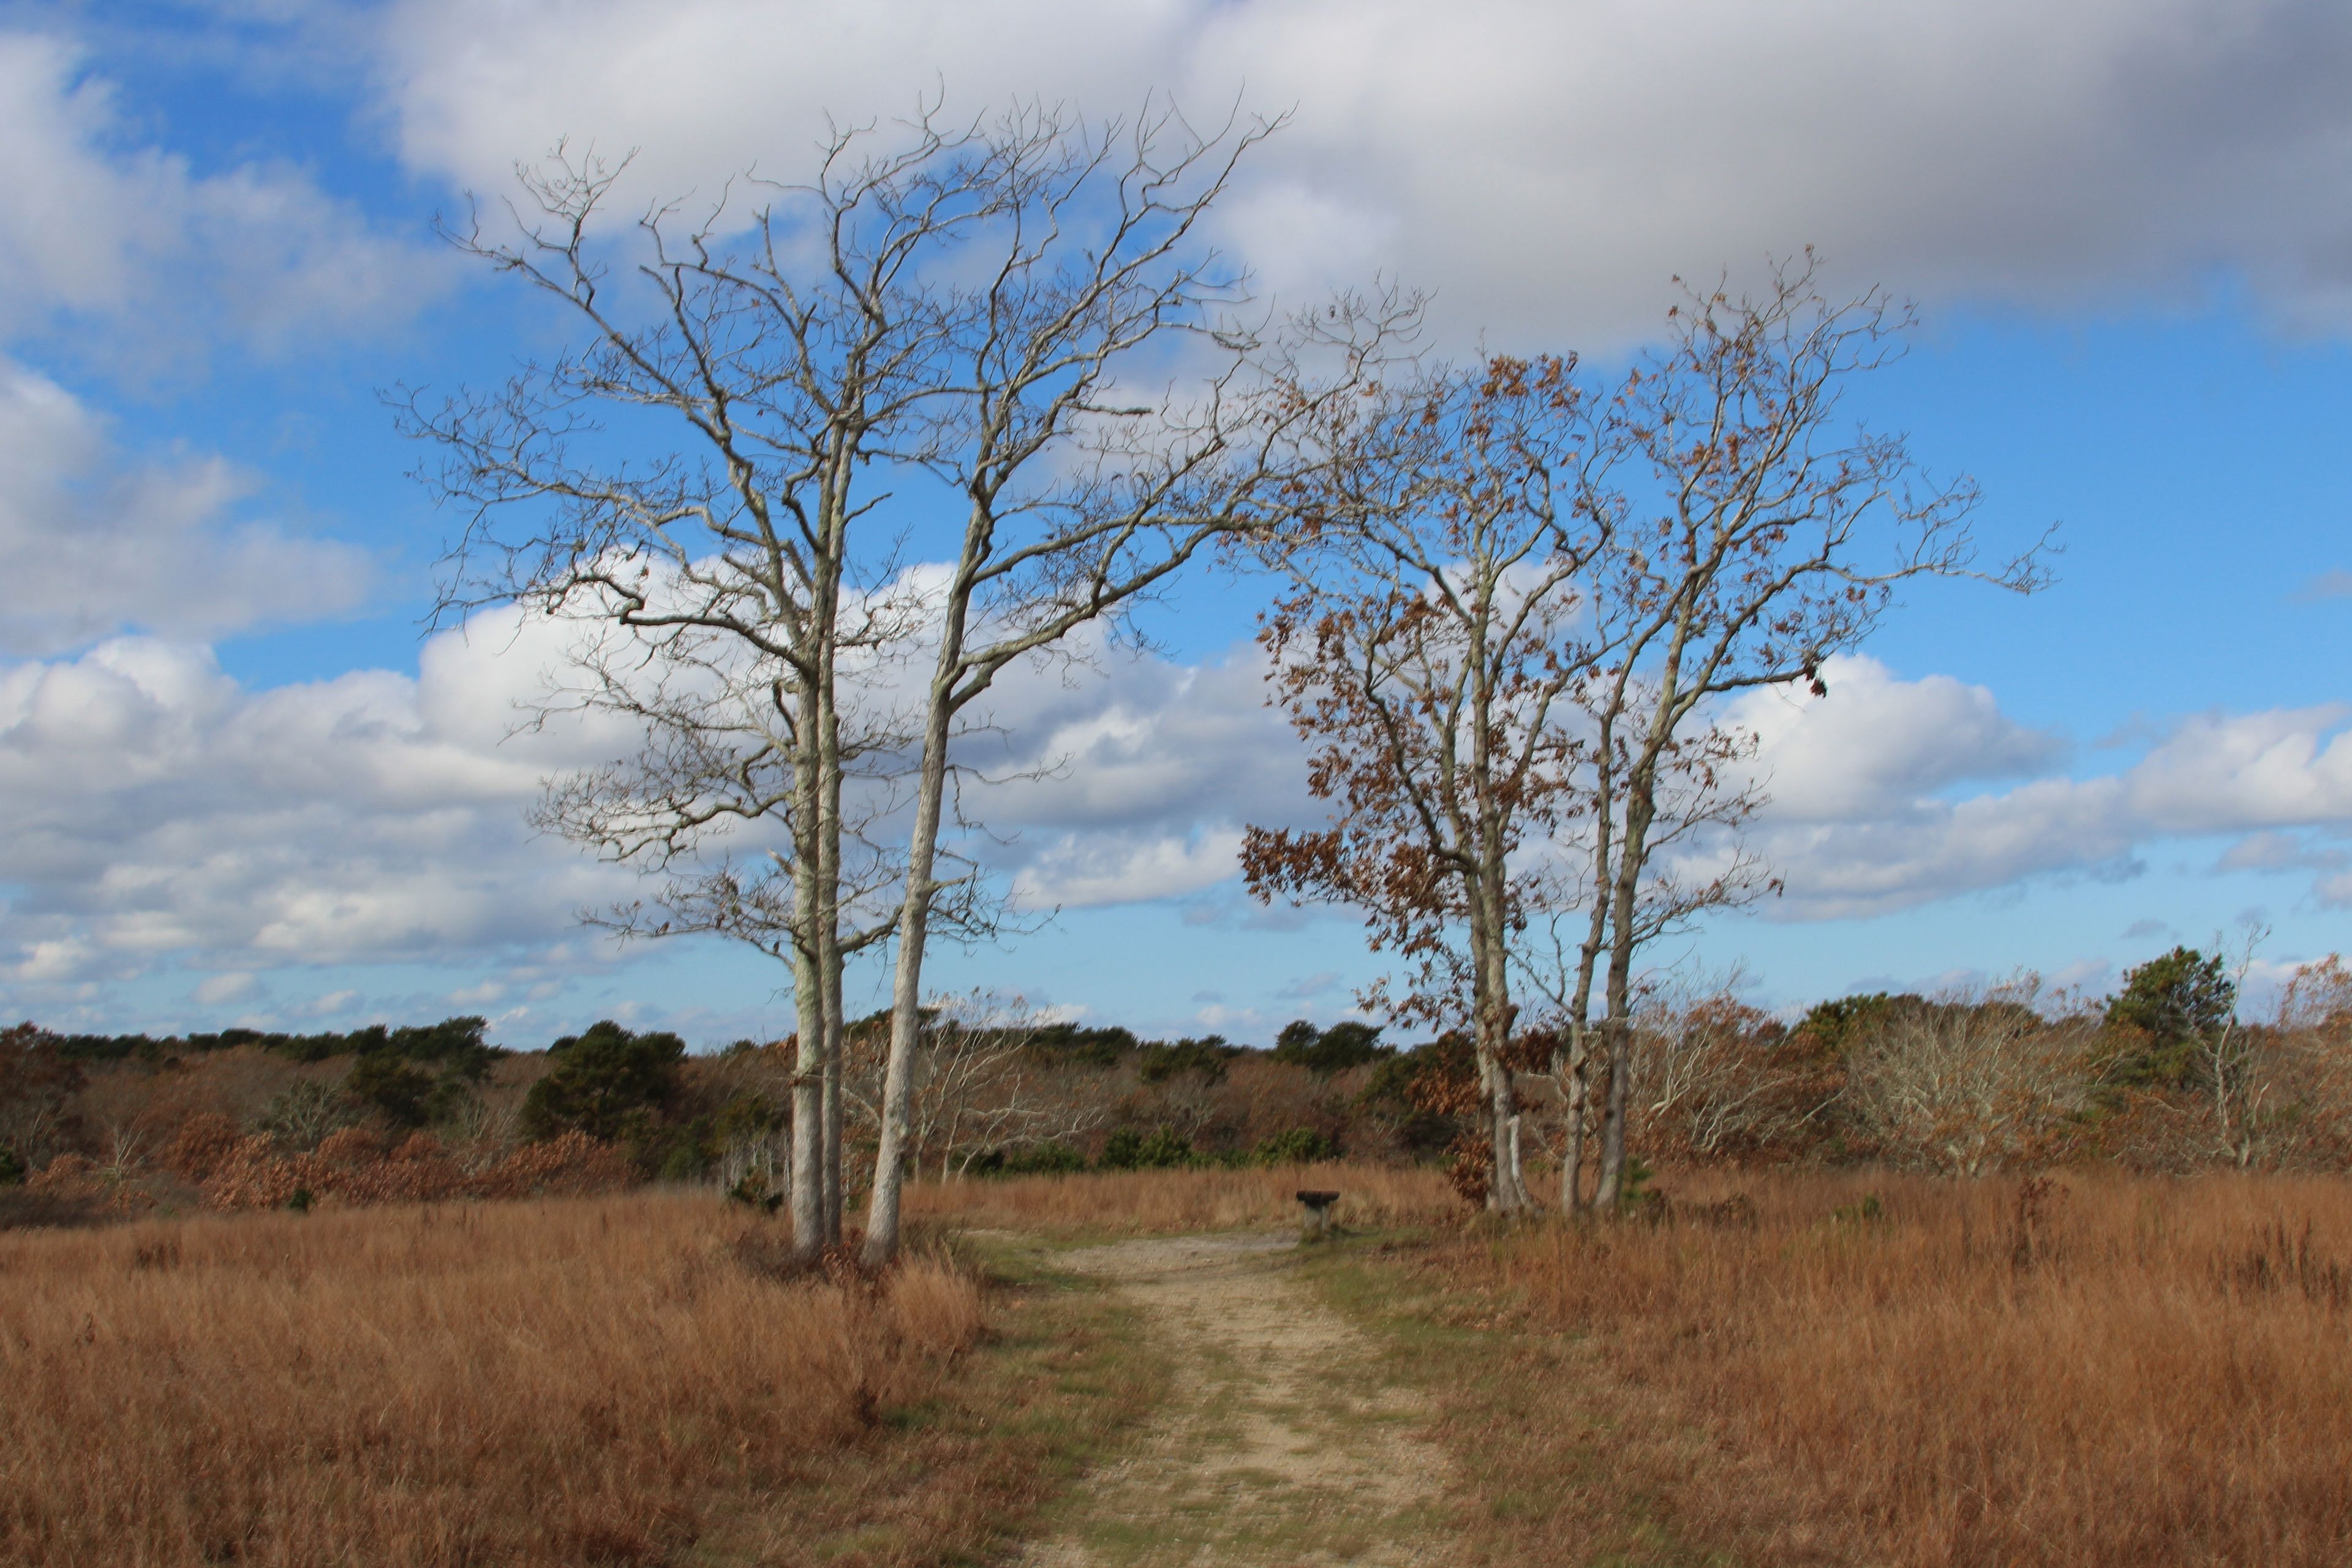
1316, 1212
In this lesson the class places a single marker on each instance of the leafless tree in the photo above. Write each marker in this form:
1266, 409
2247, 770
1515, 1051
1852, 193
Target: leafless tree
1970, 1081
1718, 1074
1761, 532
980, 1086
683, 491
1082, 490
37, 1086
2239, 1072
967, 320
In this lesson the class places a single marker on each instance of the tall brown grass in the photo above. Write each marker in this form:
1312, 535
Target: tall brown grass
2092, 1371
565, 1381
1184, 1200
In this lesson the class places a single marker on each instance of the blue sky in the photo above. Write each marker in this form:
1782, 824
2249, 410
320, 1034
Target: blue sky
244, 788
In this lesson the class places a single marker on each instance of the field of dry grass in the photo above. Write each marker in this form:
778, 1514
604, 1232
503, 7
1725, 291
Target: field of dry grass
1837, 1369
1120, 1203
1775, 1369
625, 1379
1790, 1368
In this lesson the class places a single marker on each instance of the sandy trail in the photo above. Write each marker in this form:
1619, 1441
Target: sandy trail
1282, 1443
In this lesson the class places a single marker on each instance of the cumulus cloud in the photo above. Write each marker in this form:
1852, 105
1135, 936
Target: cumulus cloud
93, 541
160, 811
1544, 166
127, 247
1863, 815
1887, 794
1133, 783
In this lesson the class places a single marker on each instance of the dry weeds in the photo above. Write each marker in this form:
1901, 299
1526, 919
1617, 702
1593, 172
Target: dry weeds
2092, 1371
565, 1382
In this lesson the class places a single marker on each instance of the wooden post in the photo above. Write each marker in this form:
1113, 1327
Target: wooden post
1316, 1218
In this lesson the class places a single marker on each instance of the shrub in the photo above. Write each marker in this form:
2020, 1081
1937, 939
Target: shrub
1300, 1146
204, 1142
304, 1112
1347, 1044
395, 1089
357, 1167
1052, 1158
604, 1082
1161, 1149
1158, 1062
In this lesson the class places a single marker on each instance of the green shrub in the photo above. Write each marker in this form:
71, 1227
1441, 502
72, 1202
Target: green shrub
1158, 1062
607, 1082
1049, 1158
1161, 1149
399, 1092
1323, 1052
1300, 1146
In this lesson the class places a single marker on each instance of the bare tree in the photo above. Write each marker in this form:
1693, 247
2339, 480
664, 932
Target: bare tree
707, 558
2298, 1072
974, 316
2239, 1072
37, 1086
1720, 1076
1429, 648
1760, 533
1080, 493
1970, 1081
980, 1085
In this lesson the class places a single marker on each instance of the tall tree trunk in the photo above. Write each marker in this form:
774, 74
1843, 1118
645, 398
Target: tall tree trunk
808, 1111
829, 955
834, 1036
1609, 1188
913, 927
1639, 810
1572, 1072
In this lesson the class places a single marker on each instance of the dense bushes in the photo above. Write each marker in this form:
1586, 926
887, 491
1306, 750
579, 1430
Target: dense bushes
1346, 1044
607, 1082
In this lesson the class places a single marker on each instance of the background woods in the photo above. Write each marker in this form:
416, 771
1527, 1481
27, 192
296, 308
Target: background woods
2162, 1075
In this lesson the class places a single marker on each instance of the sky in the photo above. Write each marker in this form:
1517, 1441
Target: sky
244, 784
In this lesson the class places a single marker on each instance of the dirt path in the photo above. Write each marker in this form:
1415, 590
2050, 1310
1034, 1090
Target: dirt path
1283, 1443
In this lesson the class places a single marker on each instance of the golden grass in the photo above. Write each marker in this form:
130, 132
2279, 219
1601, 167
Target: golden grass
1133, 1201
565, 1382
2146, 1373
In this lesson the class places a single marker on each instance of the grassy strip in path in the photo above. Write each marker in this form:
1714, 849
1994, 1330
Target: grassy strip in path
1553, 1459
1063, 1378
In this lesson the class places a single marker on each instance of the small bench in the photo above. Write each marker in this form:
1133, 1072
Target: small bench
1316, 1207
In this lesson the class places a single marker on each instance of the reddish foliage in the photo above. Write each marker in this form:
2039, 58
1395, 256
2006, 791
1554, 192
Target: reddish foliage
356, 1167
204, 1142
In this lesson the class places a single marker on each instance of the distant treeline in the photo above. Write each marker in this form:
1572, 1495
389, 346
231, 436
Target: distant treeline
452, 1041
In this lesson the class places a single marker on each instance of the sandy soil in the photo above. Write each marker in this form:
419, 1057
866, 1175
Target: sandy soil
1282, 1443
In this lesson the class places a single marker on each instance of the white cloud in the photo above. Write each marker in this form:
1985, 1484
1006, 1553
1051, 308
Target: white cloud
100, 231
1862, 817
1544, 165
160, 811
1875, 739
1154, 770
221, 989
2222, 773
93, 540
